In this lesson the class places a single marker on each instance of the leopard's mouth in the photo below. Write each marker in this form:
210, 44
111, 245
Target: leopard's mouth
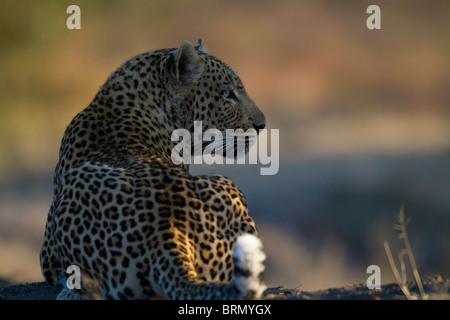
231, 147
227, 143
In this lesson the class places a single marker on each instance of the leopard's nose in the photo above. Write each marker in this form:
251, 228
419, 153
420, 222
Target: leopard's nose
259, 127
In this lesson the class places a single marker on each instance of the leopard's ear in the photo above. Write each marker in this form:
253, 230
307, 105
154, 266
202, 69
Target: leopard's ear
187, 65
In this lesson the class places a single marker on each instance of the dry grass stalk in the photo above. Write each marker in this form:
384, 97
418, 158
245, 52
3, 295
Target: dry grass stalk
401, 278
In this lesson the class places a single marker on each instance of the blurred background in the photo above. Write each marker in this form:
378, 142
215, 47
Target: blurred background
363, 117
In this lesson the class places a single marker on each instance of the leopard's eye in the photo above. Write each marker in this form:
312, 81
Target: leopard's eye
231, 95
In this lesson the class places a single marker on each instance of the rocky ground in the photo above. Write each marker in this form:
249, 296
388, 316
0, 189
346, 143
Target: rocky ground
436, 288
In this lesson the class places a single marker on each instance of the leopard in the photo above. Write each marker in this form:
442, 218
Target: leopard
136, 224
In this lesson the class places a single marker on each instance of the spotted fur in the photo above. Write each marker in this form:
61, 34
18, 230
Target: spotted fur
136, 224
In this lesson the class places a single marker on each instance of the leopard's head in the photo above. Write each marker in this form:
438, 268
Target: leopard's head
211, 92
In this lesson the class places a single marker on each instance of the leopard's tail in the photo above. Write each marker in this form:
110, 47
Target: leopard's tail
248, 257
